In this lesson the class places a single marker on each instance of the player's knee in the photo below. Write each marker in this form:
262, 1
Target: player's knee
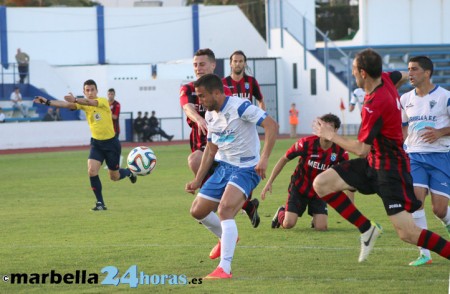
319, 186
193, 164
198, 212
320, 227
288, 224
225, 211
440, 212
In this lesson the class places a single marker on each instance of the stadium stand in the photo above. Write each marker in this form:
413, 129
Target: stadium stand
395, 57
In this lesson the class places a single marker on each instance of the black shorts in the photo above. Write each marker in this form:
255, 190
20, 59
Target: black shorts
395, 188
106, 150
297, 203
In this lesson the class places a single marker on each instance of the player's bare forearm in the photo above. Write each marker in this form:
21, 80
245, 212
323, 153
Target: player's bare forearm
326, 131
277, 169
354, 146
275, 172
207, 161
270, 135
192, 114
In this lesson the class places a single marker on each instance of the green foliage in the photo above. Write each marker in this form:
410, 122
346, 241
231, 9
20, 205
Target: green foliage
340, 21
47, 224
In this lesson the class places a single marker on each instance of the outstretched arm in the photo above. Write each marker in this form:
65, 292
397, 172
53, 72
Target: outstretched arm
54, 103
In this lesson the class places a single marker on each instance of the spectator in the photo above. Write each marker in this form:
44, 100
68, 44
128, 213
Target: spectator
2, 116
57, 115
16, 99
22, 62
50, 115
293, 120
138, 125
154, 129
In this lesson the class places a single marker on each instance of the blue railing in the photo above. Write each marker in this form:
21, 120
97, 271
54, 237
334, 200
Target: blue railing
281, 14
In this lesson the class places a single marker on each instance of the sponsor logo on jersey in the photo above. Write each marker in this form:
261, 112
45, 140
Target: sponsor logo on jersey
396, 205
318, 165
333, 156
432, 104
247, 86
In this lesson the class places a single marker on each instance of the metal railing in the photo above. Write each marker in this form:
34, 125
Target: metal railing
282, 15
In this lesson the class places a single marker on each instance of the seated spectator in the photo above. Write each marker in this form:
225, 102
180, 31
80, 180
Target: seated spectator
50, 115
2, 116
57, 114
138, 125
16, 99
152, 128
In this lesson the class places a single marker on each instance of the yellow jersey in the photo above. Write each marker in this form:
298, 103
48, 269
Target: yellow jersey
99, 119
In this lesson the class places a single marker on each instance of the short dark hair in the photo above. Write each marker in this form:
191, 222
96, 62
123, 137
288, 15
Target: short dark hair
208, 52
210, 82
90, 83
424, 62
112, 90
370, 61
331, 118
238, 52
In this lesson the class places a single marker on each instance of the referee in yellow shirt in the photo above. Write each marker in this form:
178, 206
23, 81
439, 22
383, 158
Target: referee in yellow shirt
105, 146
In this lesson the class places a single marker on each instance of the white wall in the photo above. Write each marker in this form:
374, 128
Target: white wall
55, 35
44, 134
387, 22
68, 36
309, 106
131, 3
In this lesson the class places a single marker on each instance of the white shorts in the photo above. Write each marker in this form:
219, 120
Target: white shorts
431, 171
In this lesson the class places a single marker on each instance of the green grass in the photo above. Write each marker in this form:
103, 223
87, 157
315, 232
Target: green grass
46, 225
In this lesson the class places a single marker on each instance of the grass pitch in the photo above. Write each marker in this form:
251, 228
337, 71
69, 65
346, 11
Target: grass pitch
46, 224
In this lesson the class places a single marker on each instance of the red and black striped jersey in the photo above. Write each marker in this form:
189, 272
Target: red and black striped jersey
247, 87
115, 109
381, 126
187, 95
313, 161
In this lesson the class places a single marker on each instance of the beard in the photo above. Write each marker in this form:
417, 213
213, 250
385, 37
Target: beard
238, 71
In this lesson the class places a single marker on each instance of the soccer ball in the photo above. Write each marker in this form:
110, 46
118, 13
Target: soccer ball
141, 160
